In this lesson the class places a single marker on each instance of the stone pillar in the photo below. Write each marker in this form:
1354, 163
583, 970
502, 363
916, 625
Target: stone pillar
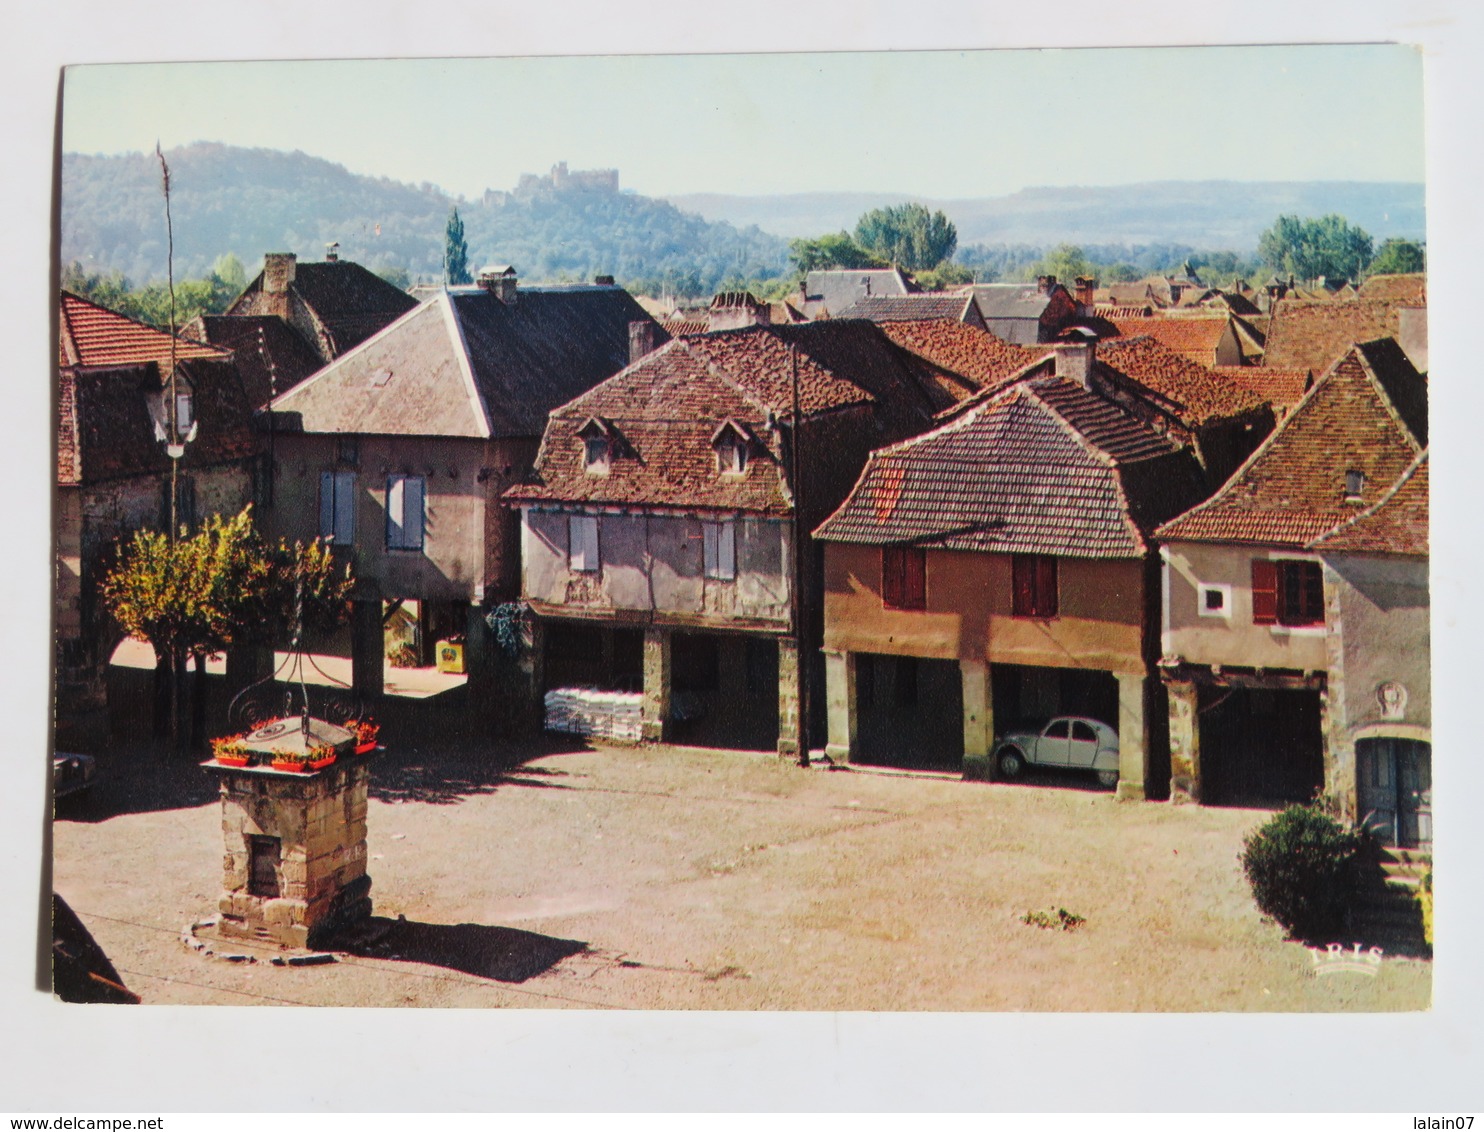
840, 706
978, 719
1133, 737
655, 710
1185, 741
791, 741
367, 650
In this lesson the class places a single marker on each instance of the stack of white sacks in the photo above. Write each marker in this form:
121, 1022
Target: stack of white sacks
587, 711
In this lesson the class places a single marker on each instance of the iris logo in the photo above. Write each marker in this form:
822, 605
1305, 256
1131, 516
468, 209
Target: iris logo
1334, 959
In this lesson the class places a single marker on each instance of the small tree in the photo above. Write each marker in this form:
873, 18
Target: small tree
1308, 248
1398, 257
198, 594
456, 250
908, 235
1303, 868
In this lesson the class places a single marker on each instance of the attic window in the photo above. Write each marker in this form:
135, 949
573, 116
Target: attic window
731, 450
597, 447
1354, 486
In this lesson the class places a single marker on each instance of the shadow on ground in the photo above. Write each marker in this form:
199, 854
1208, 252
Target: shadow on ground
507, 955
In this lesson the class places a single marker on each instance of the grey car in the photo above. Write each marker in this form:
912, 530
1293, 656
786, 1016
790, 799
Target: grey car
1070, 741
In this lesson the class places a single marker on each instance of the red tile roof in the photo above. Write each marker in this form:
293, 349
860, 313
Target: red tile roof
1409, 290
1366, 415
986, 360
96, 336
1199, 395
1395, 525
1282, 388
1195, 336
1314, 333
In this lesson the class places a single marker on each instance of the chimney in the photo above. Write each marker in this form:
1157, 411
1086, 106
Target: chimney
603, 280
500, 281
278, 276
332, 252
1074, 361
641, 338
1044, 284
1085, 289
732, 310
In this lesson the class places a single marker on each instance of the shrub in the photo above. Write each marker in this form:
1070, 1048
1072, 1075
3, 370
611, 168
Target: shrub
1303, 867
1424, 900
404, 656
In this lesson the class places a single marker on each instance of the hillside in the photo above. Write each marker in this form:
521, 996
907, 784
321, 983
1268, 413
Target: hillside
251, 201
1202, 214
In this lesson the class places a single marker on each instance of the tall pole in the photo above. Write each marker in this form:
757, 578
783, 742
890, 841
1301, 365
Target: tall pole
173, 448
802, 656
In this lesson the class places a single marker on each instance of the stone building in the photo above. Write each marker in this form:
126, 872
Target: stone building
114, 413
661, 525
998, 570
400, 448
1248, 627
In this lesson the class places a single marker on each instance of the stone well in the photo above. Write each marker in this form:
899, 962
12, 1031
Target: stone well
294, 869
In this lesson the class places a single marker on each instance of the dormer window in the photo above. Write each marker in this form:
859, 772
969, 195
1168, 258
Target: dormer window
597, 446
732, 447
1354, 486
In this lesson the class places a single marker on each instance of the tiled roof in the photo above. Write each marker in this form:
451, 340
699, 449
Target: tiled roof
1282, 388
1195, 336
1409, 290
1313, 334
1397, 524
107, 431
666, 408
95, 336
1031, 471
1113, 312
986, 360
909, 308
1199, 395
1367, 415
467, 364
662, 412
680, 327
250, 337
350, 302
1233, 301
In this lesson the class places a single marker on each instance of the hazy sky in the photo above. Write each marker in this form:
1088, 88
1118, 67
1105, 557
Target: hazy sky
935, 124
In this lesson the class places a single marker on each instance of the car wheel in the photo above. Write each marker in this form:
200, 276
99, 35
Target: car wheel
1012, 762
1108, 779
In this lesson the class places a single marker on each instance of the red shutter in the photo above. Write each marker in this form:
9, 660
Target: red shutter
1264, 592
914, 580
1046, 589
1023, 583
891, 577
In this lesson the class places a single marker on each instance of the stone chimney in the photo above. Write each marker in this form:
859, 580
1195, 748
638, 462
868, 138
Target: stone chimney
500, 281
332, 252
732, 310
603, 281
1044, 284
1086, 288
1074, 361
641, 339
278, 275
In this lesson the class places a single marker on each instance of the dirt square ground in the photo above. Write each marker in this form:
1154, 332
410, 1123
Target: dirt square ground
673, 878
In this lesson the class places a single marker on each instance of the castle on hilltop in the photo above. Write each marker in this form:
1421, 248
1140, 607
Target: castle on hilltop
560, 179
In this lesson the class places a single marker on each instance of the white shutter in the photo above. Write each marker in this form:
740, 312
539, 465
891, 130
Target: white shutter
327, 487
394, 496
582, 536
726, 558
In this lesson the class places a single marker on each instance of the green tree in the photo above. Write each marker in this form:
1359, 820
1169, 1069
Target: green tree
944, 276
907, 235
831, 251
455, 250
1398, 257
230, 274
1065, 261
1308, 248
194, 595
396, 276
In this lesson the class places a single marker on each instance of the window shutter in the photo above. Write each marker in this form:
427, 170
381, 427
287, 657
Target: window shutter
582, 533
1047, 604
726, 551
394, 500
327, 528
914, 579
891, 576
345, 508
1023, 585
413, 494
590, 542
1264, 592
709, 556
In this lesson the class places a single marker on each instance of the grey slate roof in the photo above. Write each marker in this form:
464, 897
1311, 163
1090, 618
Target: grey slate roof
467, 364
1010, 300
838, 289
912, 308
1017, 475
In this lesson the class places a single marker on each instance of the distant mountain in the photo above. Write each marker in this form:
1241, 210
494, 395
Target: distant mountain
251, 201
1203, 214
